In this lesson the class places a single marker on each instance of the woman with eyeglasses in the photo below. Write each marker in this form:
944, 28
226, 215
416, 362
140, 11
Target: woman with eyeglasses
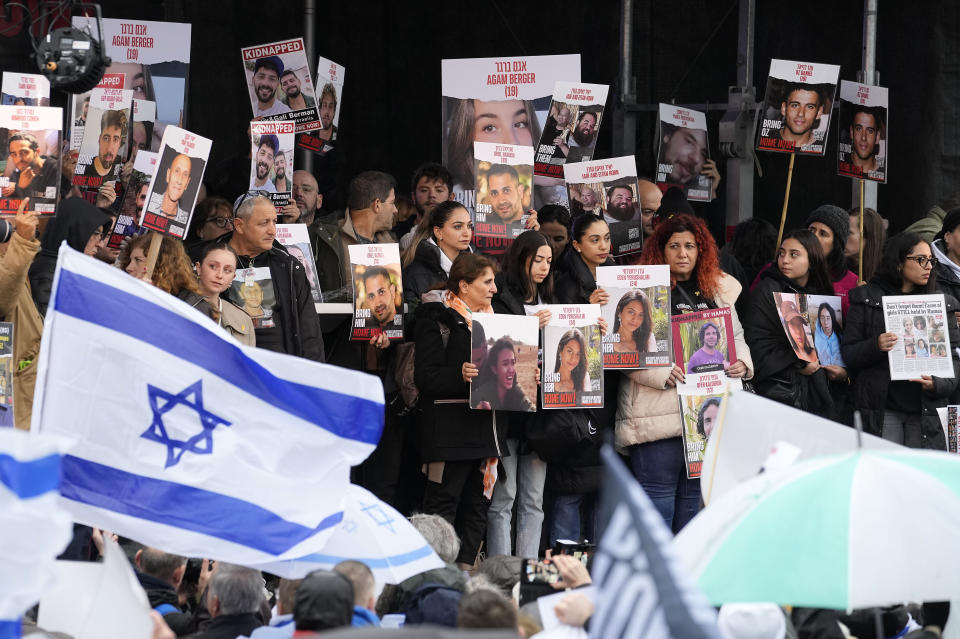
212, 218
903, 411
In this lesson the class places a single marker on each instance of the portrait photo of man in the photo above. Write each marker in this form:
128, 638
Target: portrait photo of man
863, 129
113, 134
267, 147
505, 194
685, 150
33, 173
175, 201
328, 112
621, 204
266, 81
293, 96
379, 296
583, 137
801, 110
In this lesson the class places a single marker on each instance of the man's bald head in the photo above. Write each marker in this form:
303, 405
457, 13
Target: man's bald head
650, 196
178, 176
306, 194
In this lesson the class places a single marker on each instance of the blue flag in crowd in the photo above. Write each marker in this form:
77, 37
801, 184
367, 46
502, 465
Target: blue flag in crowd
642, 590
34, 529
185, 440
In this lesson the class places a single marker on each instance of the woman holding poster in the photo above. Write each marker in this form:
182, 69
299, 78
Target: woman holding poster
525, 283
457, 444
788, 370
903, 411
648, 415
444, 235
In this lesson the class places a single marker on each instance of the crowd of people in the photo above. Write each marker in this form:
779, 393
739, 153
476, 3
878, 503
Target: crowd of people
473, 469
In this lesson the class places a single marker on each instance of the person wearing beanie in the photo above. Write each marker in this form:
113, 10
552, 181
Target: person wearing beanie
831, 225
946, 248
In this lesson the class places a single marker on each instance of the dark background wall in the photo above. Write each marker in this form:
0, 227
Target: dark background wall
685, 52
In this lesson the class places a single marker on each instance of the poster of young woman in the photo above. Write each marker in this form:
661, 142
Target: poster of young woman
503, 100
505, 354
572, 374
796, 326
638, 316
826, 321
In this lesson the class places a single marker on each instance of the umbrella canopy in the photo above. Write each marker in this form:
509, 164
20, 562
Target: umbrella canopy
869, 528
373, 533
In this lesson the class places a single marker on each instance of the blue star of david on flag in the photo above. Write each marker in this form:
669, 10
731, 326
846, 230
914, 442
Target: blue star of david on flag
162, 402
378, 515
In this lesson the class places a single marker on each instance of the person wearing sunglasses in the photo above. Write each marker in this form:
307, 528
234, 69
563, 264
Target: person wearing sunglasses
902, 411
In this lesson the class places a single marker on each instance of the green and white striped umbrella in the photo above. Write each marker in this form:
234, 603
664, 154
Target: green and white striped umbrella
864, 529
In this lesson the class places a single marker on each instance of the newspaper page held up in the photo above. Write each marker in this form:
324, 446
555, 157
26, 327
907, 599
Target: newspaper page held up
923, 342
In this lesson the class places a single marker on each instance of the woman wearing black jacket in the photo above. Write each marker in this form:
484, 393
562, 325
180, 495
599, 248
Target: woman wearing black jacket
525, 283
574, 469
457, 444
428, 260
589, 248
901, 411
779, 373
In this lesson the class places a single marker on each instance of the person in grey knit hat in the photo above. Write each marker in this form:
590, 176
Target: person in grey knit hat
831, 225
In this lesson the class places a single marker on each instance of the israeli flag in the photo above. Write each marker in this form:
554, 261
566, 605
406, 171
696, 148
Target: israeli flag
184, 439
34, 529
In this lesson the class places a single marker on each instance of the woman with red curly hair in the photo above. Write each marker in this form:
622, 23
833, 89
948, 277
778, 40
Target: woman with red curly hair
648, 411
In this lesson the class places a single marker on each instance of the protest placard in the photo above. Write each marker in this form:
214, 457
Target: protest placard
377, 291
505, 354
572, 374
638, 314
174, 187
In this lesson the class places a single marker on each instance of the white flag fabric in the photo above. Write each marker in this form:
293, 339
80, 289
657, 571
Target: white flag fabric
34, 529
186, 440
92, 600
373, 533
753, 426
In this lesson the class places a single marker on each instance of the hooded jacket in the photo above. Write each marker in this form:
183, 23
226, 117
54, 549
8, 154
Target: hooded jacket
870, 368
17, 306
76, 221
